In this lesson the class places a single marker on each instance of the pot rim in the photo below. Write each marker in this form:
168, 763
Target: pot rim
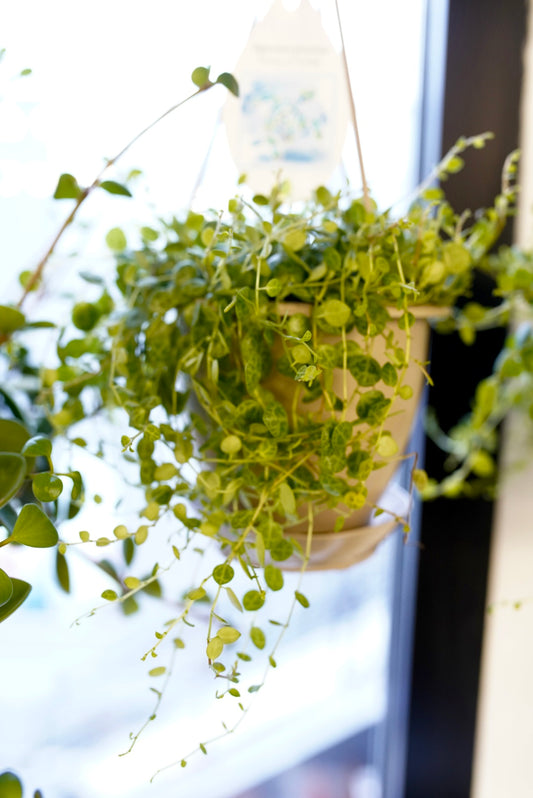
419, 311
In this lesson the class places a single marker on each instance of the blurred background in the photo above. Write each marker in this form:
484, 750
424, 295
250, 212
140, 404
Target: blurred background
389, 706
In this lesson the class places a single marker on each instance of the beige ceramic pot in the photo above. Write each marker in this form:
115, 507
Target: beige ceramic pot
360, 534
337, 550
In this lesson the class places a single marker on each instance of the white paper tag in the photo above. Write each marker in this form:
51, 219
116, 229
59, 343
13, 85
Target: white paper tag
290, 120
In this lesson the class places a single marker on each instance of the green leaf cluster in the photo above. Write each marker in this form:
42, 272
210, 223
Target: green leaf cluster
22, 515
256, 358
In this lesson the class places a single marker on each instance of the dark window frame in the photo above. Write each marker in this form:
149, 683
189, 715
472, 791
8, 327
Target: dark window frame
482, 92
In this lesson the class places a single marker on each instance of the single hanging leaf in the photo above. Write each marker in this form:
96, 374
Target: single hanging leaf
214, 648
200, 77
47, 487
160, 671
295, 240
334, 312
21, 591
39, 445
287, 500
115, 188
276, 420
116, 240
253, 600
227, 80
234, 600
12, 473
228, 634
67, 188
273, 577
34, 528
303, 600
62, 572
10, 786
258, 637
11, 319
13, 435
222, 574
6, 588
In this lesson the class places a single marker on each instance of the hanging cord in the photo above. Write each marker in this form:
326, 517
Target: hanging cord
366, 195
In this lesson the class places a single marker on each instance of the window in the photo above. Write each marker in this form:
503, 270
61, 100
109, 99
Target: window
76, 692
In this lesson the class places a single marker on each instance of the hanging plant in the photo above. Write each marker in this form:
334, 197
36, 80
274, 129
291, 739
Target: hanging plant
258, 366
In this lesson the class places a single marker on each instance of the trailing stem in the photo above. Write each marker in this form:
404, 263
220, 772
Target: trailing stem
37, 272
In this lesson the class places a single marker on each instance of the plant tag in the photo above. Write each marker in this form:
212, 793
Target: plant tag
290, 121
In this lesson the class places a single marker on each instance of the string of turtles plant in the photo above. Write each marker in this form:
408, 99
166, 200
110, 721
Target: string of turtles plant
183, 349
29, 485
472, 444
186, 342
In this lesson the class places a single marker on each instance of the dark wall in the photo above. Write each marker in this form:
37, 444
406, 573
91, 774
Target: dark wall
482, 92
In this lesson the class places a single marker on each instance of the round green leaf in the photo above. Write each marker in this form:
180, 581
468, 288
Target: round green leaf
389, 375
231, 444
281, 549
12, 473
273, 577
84, 316
47, 487
11, 319
10, 786
6, 588
34, 528
258, 637
13, 435
21, 591
295, 240
116, 240
365, 369
38, 446
334, 312
222, 574
275, 420
372, 407
200, 76
273, 287
253, 600
228, 634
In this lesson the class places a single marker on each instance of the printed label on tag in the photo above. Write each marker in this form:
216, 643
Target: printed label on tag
289, 123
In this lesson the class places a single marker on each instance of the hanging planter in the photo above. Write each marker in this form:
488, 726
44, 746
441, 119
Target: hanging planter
362, 530
262, 367
270, 365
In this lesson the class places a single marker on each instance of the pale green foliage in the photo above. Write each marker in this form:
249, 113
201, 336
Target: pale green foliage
189, 340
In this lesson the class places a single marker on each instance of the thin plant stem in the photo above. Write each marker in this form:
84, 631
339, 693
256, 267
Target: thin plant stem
37, 273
